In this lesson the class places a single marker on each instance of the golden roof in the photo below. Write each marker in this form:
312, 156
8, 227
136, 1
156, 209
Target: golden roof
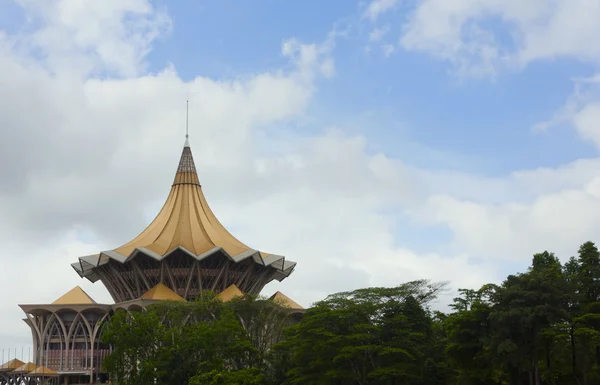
162, 292
75, 296
284, 300
230, 293
185, 220
184, 223
43, 371
26, 368
11, 365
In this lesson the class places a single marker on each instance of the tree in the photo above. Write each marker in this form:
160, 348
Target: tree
136, 339
469, 333
539, 327
585, 312
526, 305
207, 341
368, 336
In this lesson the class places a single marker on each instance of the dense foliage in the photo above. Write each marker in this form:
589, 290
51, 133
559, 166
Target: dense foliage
537, 327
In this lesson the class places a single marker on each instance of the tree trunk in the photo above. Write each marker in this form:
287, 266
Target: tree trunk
531, 381
573, 353
536, 372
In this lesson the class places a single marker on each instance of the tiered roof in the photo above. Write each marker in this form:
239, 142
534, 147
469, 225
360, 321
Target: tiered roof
185, 222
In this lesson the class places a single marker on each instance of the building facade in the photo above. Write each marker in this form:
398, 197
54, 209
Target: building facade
182, 253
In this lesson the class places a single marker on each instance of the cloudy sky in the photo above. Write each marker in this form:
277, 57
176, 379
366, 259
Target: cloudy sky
372, 142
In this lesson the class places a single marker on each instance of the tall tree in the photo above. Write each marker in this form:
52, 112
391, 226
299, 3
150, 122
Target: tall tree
586, 317
368, 336
468, 329
526, 306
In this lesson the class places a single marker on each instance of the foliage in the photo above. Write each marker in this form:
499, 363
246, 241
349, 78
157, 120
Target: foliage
368, 336
538, 327
204, 342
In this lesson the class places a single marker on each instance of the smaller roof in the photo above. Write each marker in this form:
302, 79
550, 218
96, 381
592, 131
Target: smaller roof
230, 293
284, 300
75, 296
11, 365
162, 292
26, 368
42, 371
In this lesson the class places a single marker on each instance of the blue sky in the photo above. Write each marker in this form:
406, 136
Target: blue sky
373, 142
409, 104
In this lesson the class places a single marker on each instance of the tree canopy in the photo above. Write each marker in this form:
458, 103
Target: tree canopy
541, 326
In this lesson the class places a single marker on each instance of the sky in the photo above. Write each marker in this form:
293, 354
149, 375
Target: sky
373, 142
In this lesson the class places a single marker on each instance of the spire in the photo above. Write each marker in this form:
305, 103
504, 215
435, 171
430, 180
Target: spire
185, 220
186, 171
187, 132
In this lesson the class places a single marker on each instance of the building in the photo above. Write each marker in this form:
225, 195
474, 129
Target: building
182, 253
185, 247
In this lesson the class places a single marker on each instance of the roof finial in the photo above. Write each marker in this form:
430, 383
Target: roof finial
187, 132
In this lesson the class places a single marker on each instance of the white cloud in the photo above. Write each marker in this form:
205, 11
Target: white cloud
312, 59
388, 49
378, 7
587, 122
581, 110
459, 31
564, 212
93, 36
526, 211
378, 33
91, 157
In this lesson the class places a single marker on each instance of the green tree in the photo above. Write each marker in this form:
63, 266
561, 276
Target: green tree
368, 336
469, 333
526, 306
136, 339
586, 313
207, 341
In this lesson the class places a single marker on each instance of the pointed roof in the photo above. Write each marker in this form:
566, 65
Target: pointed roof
43, 371
162, 292
186, 224
75, 296
11, 365
26, 368
285, 301
185, 220
230, 293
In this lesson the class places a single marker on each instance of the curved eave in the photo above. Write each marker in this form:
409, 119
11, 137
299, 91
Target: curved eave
87, 265
37, 309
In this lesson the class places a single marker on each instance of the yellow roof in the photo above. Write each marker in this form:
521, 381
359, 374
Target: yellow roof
162, 292
284, 300
26, 368
230, 293
185, 220
11, 365
75, 296
43, 371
